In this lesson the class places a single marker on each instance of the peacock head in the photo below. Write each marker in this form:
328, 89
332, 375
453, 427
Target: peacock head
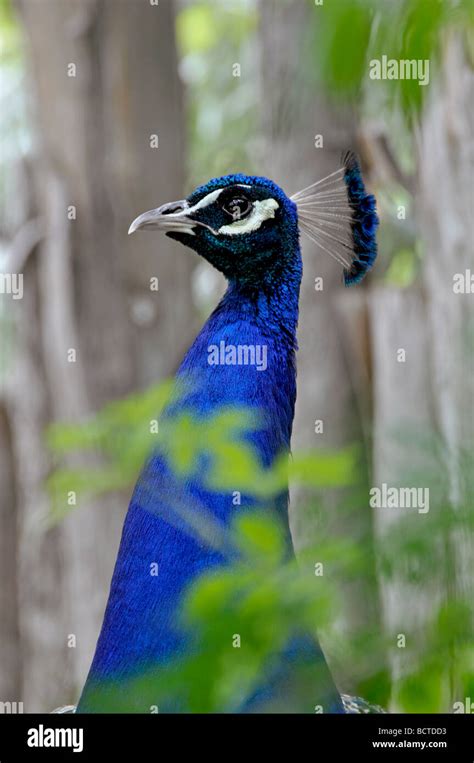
248, 228
244, 226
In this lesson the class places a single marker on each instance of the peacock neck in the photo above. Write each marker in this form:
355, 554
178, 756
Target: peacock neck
269, 297
256, 315
140, 624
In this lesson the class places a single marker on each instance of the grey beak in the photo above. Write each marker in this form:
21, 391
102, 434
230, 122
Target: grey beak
168, 217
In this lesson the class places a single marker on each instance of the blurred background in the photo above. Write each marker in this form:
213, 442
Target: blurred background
111, 107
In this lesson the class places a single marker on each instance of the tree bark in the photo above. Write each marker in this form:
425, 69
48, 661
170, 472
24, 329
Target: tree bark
403, 412
10, 676
430, 396
333, 381
446, 162
104, 77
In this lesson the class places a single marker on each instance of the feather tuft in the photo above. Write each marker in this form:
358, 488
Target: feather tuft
364, 221
338, 215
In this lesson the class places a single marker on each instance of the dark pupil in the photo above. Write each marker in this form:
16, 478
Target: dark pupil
237, 208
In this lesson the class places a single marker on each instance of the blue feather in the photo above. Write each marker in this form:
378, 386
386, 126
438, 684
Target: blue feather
364, 222
141, 628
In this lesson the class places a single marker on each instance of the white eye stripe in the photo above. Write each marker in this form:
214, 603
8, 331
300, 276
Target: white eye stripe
210, 198
205, 202
262, 210
187, 210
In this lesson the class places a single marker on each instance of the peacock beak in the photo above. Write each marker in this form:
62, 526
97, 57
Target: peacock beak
168, 217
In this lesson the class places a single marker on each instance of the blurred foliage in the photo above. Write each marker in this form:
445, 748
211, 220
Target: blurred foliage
222, 118
14, 126
345, 37
369, 29
261, 597
125, 432
15, 142
265, 599
10, 34
261, 594
402, 268
119, 439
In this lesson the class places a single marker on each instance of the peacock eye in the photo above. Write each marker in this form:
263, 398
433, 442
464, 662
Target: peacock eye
237, 208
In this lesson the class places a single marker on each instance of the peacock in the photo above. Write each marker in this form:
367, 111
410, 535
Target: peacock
249, 229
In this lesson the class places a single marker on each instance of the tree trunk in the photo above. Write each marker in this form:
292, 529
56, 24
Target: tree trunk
10, 676
403, 411
332, 334
104, 76
446, 151
428, 399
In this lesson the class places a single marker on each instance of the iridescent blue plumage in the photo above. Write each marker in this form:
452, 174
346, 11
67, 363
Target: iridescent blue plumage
338, 215
364, 223
248, 229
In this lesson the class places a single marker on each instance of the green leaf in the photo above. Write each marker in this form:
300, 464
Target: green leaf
260, 537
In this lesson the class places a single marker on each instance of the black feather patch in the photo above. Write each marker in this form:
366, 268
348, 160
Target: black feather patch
340, 217
364, 221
